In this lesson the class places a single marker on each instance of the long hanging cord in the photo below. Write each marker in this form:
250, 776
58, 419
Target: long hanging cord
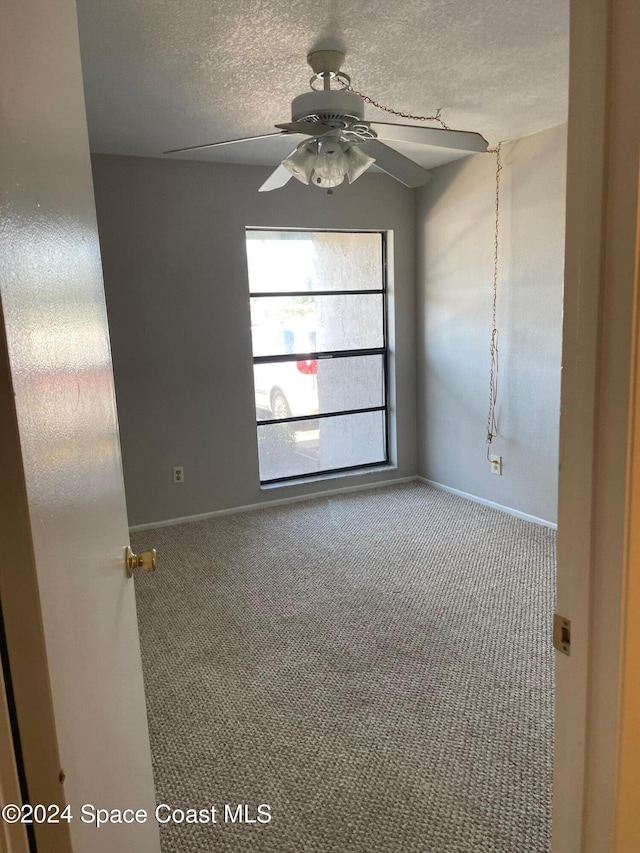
492, 423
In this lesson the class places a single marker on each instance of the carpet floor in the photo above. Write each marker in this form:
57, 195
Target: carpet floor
376, 668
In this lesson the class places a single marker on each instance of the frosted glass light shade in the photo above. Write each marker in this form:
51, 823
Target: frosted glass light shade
301, 162
357, 162
331, 163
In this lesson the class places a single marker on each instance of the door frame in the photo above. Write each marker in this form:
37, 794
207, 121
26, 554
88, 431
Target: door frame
596, 442
13, 836
627, 817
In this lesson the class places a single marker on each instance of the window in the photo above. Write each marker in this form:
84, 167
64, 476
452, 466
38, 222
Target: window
318, 325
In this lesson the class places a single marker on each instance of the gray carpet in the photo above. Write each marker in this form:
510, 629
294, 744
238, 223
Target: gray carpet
377, 668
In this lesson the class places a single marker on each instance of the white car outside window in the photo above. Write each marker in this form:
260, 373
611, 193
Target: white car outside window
285, 389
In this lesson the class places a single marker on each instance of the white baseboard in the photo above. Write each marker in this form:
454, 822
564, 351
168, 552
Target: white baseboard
170, 522
541, 521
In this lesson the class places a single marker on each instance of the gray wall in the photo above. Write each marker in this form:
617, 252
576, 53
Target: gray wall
455, 225
173, 252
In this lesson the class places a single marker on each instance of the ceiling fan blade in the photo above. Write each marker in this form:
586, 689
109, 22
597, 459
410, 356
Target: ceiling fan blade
309, 128
462, 140
226, 142
397, 165
276, 179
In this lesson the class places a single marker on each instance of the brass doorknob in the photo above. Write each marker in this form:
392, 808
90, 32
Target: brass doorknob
146, 561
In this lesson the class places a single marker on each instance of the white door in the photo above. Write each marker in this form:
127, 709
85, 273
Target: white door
69, 607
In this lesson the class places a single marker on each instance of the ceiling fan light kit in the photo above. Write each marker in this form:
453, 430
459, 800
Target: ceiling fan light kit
325, 162
340, 143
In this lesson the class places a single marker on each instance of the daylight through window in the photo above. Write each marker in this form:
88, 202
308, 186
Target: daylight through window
318, 325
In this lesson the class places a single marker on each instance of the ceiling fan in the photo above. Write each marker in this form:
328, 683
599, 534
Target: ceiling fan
337, 142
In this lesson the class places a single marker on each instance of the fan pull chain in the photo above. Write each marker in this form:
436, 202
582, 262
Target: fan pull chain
369, 100
492, 423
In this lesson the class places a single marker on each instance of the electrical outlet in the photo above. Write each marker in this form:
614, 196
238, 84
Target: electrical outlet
178, 474
496, 465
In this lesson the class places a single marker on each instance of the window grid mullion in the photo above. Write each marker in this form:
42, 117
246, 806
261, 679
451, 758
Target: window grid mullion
341, 413
280, 294
318, 356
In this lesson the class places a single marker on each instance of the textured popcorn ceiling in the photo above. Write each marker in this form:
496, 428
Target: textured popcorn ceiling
163, 74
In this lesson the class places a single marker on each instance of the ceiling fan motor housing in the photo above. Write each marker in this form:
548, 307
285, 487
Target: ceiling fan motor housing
336, 107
